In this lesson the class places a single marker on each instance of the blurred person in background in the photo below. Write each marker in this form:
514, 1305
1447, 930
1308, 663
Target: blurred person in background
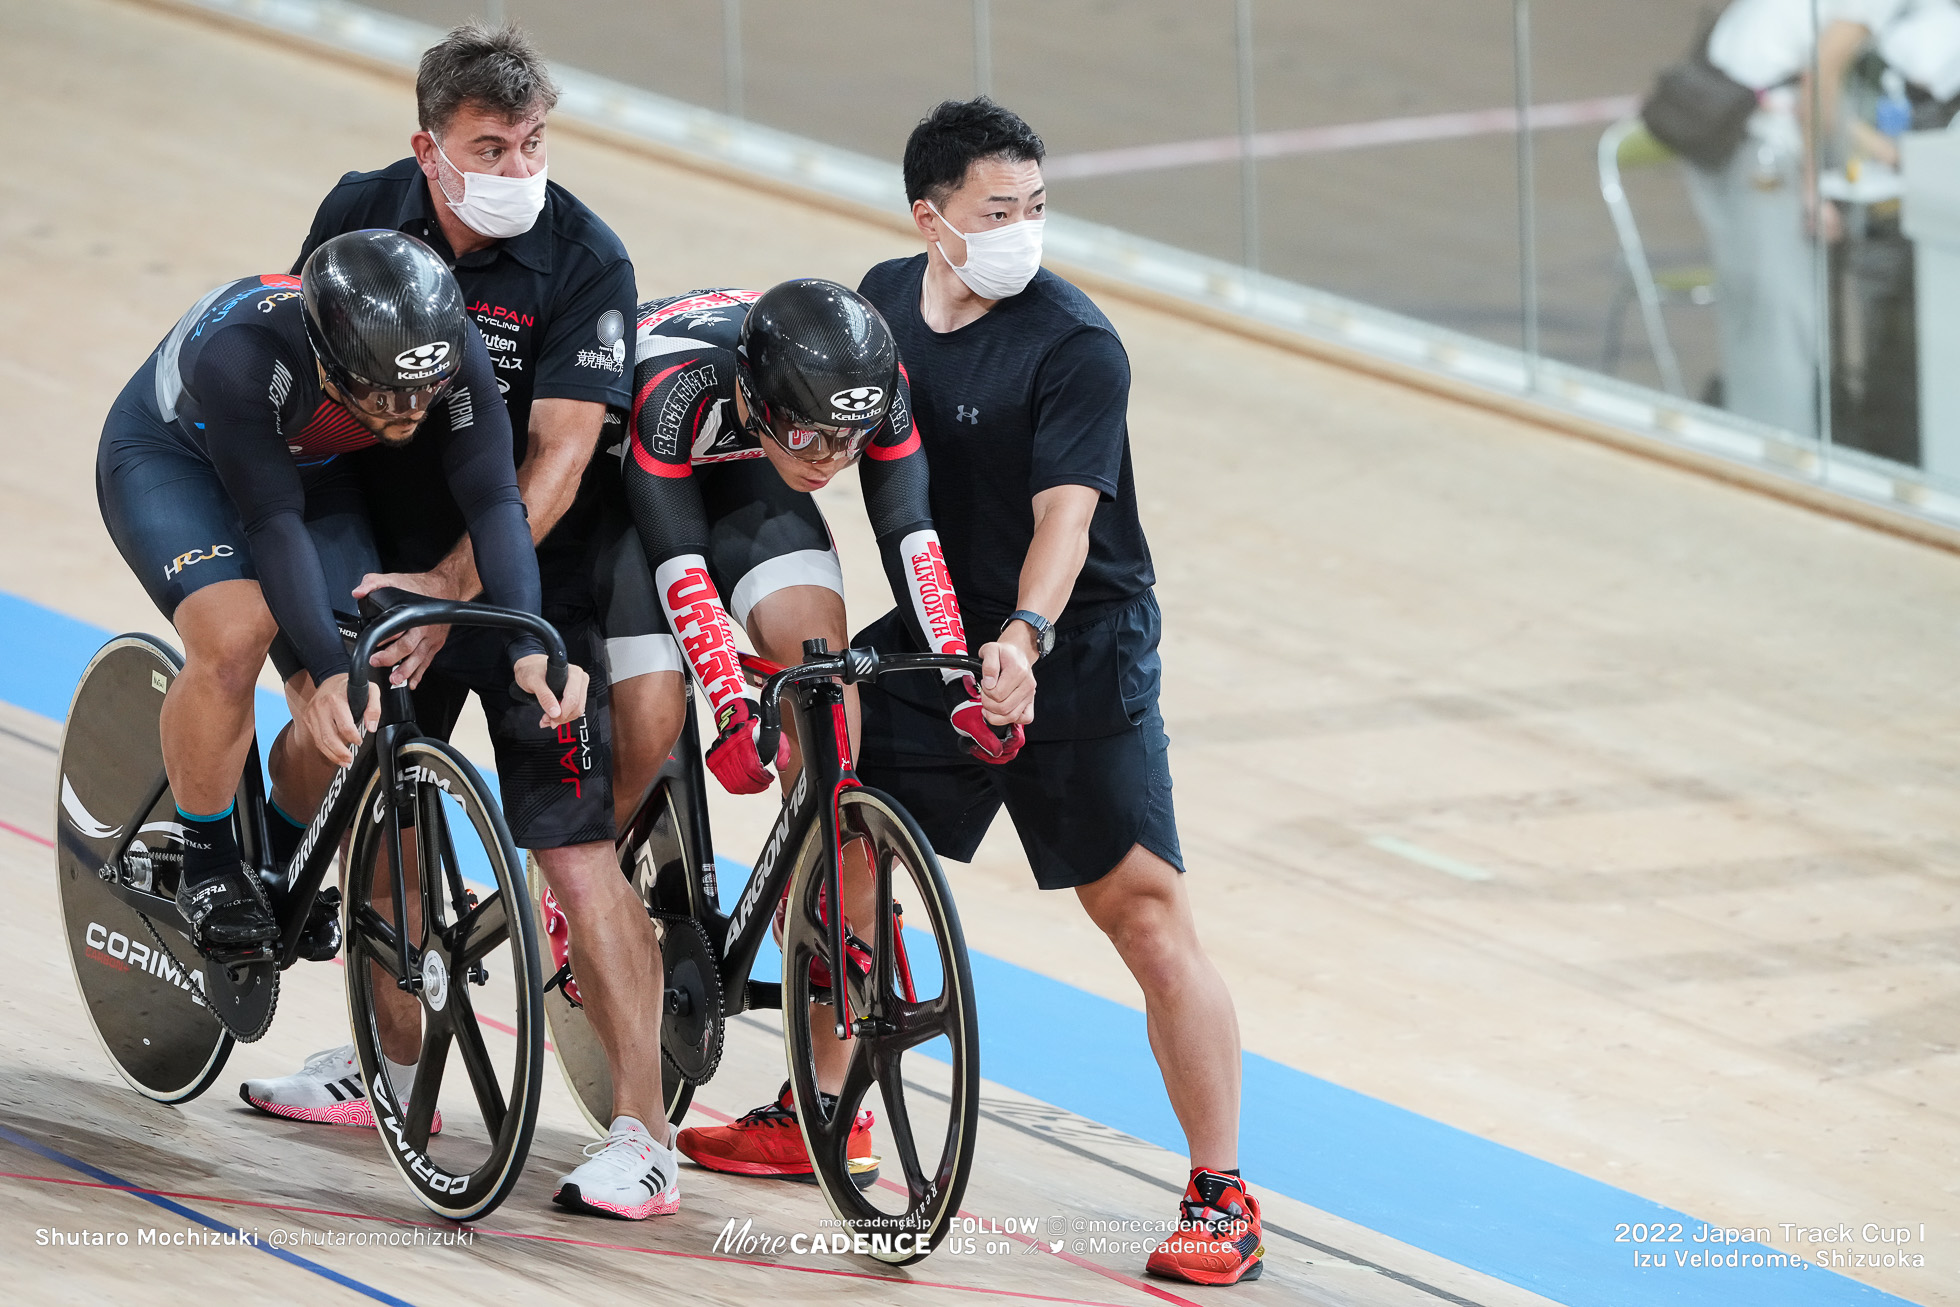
1752, 208
1884, 67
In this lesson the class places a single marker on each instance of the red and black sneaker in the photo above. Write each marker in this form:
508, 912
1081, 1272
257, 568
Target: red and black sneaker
768, 1142
1218, 1239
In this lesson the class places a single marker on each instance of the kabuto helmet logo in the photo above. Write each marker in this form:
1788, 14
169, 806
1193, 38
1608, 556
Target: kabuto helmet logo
422, 358
859, 399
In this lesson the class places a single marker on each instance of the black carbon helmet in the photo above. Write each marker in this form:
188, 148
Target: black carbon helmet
383, 311
815, 353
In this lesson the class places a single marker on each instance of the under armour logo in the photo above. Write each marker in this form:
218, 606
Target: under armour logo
970, 416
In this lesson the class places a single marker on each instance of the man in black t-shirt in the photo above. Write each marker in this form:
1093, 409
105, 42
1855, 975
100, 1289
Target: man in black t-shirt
1020, 390
550, 288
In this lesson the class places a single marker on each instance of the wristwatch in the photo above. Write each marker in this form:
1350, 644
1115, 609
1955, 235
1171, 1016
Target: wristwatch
1044, 630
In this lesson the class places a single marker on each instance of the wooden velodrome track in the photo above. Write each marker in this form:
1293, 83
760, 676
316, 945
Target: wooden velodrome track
1593, 809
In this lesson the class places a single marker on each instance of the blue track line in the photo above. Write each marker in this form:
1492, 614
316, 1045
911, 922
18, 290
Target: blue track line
169, 1205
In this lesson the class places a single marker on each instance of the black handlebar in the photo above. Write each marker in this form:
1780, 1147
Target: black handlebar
850, 666
389, 612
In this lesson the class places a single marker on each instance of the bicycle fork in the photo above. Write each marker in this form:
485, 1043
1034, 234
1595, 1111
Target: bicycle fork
826, 739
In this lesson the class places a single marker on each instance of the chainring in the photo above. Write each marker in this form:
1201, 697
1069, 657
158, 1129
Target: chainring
245, 1005
692, 1029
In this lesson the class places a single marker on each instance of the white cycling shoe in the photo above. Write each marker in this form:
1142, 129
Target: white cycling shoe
328, 1089
631, 1176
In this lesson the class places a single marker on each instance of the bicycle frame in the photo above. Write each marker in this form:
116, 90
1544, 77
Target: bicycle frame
737, 935
294, 887
828, 770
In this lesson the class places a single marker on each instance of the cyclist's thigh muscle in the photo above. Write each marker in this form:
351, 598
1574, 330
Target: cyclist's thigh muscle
763, 536
163, 503
635, 627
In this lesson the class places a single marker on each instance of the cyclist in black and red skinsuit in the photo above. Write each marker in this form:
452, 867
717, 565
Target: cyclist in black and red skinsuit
220, 481
744, 404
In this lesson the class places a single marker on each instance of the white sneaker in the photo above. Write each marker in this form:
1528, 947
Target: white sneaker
328, 1089
631, 1176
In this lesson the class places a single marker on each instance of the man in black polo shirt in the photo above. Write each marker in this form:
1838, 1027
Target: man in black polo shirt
1021, 389
552, 291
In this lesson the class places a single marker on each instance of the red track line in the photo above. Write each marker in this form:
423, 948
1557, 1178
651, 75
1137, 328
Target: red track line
495, 1024
560, 1239
12, 829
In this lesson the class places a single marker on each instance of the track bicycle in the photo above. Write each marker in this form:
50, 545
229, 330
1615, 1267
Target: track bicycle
916, 993
168, 1012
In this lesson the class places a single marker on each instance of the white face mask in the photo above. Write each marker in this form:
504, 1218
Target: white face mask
1000, 262
494, 206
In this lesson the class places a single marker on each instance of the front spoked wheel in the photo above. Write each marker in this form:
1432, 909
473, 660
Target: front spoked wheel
470, 1014
916, 1034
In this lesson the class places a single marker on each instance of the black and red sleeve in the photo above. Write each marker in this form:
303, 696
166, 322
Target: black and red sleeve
897, 498
674, 394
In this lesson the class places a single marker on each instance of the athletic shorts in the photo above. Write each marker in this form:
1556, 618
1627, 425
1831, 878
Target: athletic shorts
762, 537
174, 522
555, 782
1092, 781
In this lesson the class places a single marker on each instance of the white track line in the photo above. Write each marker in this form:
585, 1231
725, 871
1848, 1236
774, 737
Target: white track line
1347, 136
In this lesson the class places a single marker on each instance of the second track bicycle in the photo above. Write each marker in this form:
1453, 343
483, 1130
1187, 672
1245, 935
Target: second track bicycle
915, 995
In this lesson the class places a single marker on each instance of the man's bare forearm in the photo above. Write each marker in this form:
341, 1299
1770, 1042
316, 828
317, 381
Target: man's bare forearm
1055, 556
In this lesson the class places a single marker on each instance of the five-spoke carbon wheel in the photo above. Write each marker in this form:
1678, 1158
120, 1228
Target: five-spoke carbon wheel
459, 1130
917, 998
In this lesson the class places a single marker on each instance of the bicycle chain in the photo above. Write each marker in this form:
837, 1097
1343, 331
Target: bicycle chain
209, 1006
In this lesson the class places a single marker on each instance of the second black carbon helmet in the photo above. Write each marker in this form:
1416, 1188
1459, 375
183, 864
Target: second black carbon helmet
814, 352
383, 310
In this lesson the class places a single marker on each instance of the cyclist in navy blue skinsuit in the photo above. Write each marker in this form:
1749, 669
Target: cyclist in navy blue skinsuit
220, 480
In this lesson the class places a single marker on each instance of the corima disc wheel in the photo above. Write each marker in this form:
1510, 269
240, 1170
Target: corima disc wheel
460, 1134
147, 1011
918, 995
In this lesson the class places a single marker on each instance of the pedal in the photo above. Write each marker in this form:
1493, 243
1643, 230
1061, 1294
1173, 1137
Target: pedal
231, 959
320, 941
557, 981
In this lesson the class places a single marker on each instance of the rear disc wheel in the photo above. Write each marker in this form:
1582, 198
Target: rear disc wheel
145, 1001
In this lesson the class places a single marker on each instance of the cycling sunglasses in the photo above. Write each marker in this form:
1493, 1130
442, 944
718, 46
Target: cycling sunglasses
812, 442
388, 401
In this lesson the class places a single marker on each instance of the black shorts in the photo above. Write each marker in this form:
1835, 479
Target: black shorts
762, 537
174, 523
555, 782
1092, 781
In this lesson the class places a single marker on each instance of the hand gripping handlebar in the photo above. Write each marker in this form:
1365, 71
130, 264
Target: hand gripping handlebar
389, 612
849, 666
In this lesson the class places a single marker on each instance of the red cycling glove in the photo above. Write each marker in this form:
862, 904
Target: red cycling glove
978, 734
733, 757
